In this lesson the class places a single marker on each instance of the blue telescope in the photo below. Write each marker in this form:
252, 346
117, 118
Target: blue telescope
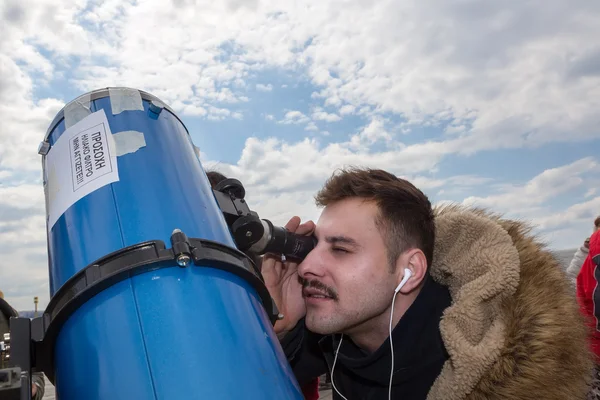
152, 293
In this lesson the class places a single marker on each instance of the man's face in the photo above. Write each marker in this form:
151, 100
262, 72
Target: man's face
347, 281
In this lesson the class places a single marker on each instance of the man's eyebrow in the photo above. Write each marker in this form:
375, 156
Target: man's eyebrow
341, 239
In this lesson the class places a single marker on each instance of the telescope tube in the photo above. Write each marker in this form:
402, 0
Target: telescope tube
120, 169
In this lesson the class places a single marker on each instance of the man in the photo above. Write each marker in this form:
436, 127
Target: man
38, 384
476, 308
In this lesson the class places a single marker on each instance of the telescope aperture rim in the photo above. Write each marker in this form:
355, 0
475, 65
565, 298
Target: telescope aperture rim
100, 94
131, 261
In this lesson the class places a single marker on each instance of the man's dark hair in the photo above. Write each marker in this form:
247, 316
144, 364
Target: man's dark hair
406, 218
215, 177
597, 222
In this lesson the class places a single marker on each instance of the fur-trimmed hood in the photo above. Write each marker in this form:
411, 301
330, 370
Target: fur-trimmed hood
514, 329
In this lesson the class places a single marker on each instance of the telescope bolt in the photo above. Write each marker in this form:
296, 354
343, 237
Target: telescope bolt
184, 260
181, 248
248, 234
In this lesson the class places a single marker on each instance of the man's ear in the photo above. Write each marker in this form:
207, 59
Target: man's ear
416, 262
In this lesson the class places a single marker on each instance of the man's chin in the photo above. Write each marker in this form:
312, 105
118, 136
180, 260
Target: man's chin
320, 324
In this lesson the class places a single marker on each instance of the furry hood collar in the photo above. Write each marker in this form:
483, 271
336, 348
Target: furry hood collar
514, 329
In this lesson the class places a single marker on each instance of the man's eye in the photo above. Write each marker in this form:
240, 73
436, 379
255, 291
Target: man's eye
339, 250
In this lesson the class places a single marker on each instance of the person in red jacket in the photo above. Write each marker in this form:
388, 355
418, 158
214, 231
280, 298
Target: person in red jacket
588, 295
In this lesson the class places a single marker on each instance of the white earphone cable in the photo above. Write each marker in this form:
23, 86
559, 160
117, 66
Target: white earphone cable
391, 347
407, 275
333, 367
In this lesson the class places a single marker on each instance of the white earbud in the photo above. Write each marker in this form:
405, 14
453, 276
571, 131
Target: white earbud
407, 275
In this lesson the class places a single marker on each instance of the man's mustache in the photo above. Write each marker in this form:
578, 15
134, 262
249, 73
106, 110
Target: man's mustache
320, 286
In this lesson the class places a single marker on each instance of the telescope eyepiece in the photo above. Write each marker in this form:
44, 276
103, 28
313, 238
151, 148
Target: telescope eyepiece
260, 236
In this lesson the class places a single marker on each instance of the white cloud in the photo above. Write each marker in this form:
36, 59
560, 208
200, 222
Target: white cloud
591, 192
311, 126
42, 23
452, 183
25, 121
219, 114
22, 242
507, 86
264, 88
559, 226
453, 129
347, 109
586, 212
294, 117
540, 189
321, 115
26, 197
193, 110
494, 80
272, 168
372, 133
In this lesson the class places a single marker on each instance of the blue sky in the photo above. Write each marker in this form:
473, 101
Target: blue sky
487, 104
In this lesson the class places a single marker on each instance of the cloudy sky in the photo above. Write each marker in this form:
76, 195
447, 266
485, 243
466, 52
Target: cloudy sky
477, 102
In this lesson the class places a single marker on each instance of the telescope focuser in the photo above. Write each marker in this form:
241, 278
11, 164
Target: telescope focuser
253, 234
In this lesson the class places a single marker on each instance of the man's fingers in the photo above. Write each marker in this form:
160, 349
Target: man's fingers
293, 224
271, 264
306, 228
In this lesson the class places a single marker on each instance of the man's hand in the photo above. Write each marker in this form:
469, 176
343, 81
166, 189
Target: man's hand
283, 282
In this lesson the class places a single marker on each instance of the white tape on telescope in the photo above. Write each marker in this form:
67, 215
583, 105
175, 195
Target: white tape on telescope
124, 99
128, 142
77, 110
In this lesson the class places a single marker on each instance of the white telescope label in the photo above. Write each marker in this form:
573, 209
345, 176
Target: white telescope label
81, 161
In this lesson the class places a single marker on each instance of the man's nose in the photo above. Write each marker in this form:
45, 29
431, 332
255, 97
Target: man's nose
312, 264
